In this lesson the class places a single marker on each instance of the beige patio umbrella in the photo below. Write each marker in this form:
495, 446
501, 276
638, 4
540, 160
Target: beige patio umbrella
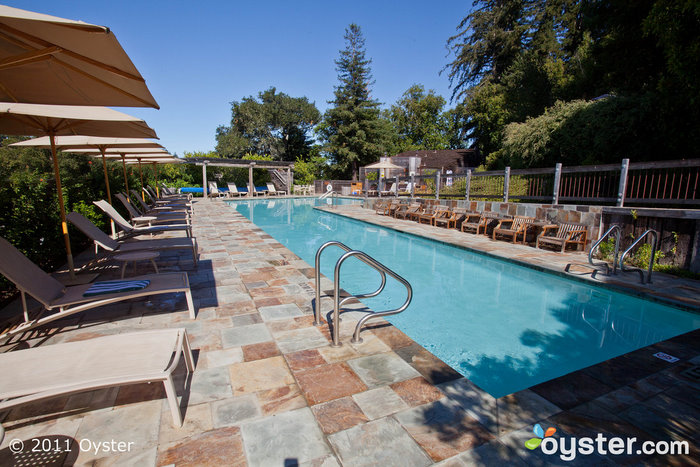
94, 143
55, 120
383, 165
49, 60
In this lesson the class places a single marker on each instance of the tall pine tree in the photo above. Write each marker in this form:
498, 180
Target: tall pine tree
352, 130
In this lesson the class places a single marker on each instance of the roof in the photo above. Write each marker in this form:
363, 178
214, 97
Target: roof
443, 159
223, 162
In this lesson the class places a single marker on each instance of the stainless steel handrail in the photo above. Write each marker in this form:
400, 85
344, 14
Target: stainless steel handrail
336, 296
317, 265
327, 194
618, 233
654, 240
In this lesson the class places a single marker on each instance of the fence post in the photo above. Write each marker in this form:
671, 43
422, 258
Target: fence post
557, 181
506, 184
469, 184
204, 180
437, 185
623, 183
413, 186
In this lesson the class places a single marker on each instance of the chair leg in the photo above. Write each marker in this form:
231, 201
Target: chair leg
190, 303
172, 401
187, 350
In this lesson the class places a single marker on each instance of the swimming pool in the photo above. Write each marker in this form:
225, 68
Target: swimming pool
505, 327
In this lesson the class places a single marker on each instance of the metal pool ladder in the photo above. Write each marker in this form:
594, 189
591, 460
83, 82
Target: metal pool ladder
618, 231
337, 302
654, 242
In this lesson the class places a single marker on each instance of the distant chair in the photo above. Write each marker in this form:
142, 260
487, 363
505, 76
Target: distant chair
563, 235
513, 228
233, 190
214, 190
271, 190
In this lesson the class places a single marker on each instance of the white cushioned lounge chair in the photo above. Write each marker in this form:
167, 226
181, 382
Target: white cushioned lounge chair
50, 371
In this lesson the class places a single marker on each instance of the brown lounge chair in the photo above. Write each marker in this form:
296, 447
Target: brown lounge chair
512, 228
65, 301
46, 372
103, 240
562, 235
477, 223
415, 214
405, 210
430, 213
391, 208
380, 207
450, 218
129, 230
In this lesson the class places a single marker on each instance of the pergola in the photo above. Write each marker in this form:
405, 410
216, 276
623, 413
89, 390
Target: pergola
241, 164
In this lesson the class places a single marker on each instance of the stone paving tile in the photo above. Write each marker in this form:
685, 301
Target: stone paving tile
260, 375
285, 439
379, 402
245, 335
339, 414
209, 385
271, 313
196, 419
381, 369
259, 351
379, 442
443, 430
212, 448
417, 391
300, 339
304, 359
432, 368
281, 399
224, 357
243, 320
328, 382
234, 410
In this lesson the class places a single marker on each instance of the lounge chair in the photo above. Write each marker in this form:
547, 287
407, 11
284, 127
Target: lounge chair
141, 219
429, 213
68, 300
478, 222
391, 207
449, 218
254, 190
414, 215
391, 191
562, 235
380, 207
271, 190
213, 190
233, 190
131, 230
180, 210
405, 210
107, 243
513, 228
173, 203
46, 372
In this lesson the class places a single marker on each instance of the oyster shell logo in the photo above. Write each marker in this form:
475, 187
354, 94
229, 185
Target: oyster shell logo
534, 443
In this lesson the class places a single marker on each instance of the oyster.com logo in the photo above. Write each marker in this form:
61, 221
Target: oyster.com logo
534, 443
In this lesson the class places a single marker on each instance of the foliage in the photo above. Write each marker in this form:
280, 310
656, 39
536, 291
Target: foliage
305, 172
274, 124
352, 131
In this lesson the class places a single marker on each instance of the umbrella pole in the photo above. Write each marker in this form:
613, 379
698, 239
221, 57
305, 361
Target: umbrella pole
64, 225
109, 192
155, 174
143, 197
126, 178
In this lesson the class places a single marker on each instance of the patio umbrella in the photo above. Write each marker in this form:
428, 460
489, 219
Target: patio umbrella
94, 143
55, 120
49, 60
383, 165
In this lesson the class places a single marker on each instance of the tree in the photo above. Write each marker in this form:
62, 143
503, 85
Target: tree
353, 133
274, 124
420, 122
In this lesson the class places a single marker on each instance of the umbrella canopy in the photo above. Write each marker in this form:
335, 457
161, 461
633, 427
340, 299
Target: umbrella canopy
54, 120
49, 60
117, 152
384, 165
92, 143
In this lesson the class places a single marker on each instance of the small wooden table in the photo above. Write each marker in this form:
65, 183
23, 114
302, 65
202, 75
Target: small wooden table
135, 256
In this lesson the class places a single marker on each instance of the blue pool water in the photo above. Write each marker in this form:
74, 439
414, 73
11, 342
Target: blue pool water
503, 326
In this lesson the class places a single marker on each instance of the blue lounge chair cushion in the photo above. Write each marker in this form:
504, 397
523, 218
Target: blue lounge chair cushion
106, 287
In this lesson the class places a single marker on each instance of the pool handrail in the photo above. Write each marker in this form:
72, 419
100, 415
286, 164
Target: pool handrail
317, 273
654, 241
618, 232
377, 314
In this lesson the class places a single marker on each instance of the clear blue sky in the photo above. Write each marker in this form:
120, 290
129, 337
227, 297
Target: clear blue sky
198, 56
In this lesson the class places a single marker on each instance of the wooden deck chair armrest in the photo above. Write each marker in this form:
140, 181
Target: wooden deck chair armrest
573, 233
548, 228
502, 223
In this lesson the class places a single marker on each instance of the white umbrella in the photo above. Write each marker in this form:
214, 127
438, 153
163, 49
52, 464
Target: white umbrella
49, 60
55, 120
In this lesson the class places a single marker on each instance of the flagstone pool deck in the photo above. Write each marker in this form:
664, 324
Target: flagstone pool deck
269, 390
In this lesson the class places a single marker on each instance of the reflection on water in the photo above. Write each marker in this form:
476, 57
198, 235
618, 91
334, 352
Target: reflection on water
504, 326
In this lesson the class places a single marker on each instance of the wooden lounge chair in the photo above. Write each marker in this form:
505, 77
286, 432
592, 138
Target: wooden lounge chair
391, 207
104, 241
131, 230
512, 228
415, 214
404, 210
380, 207
472, 222
46, 372
429, 213
450, 218
562, 235
65, 301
